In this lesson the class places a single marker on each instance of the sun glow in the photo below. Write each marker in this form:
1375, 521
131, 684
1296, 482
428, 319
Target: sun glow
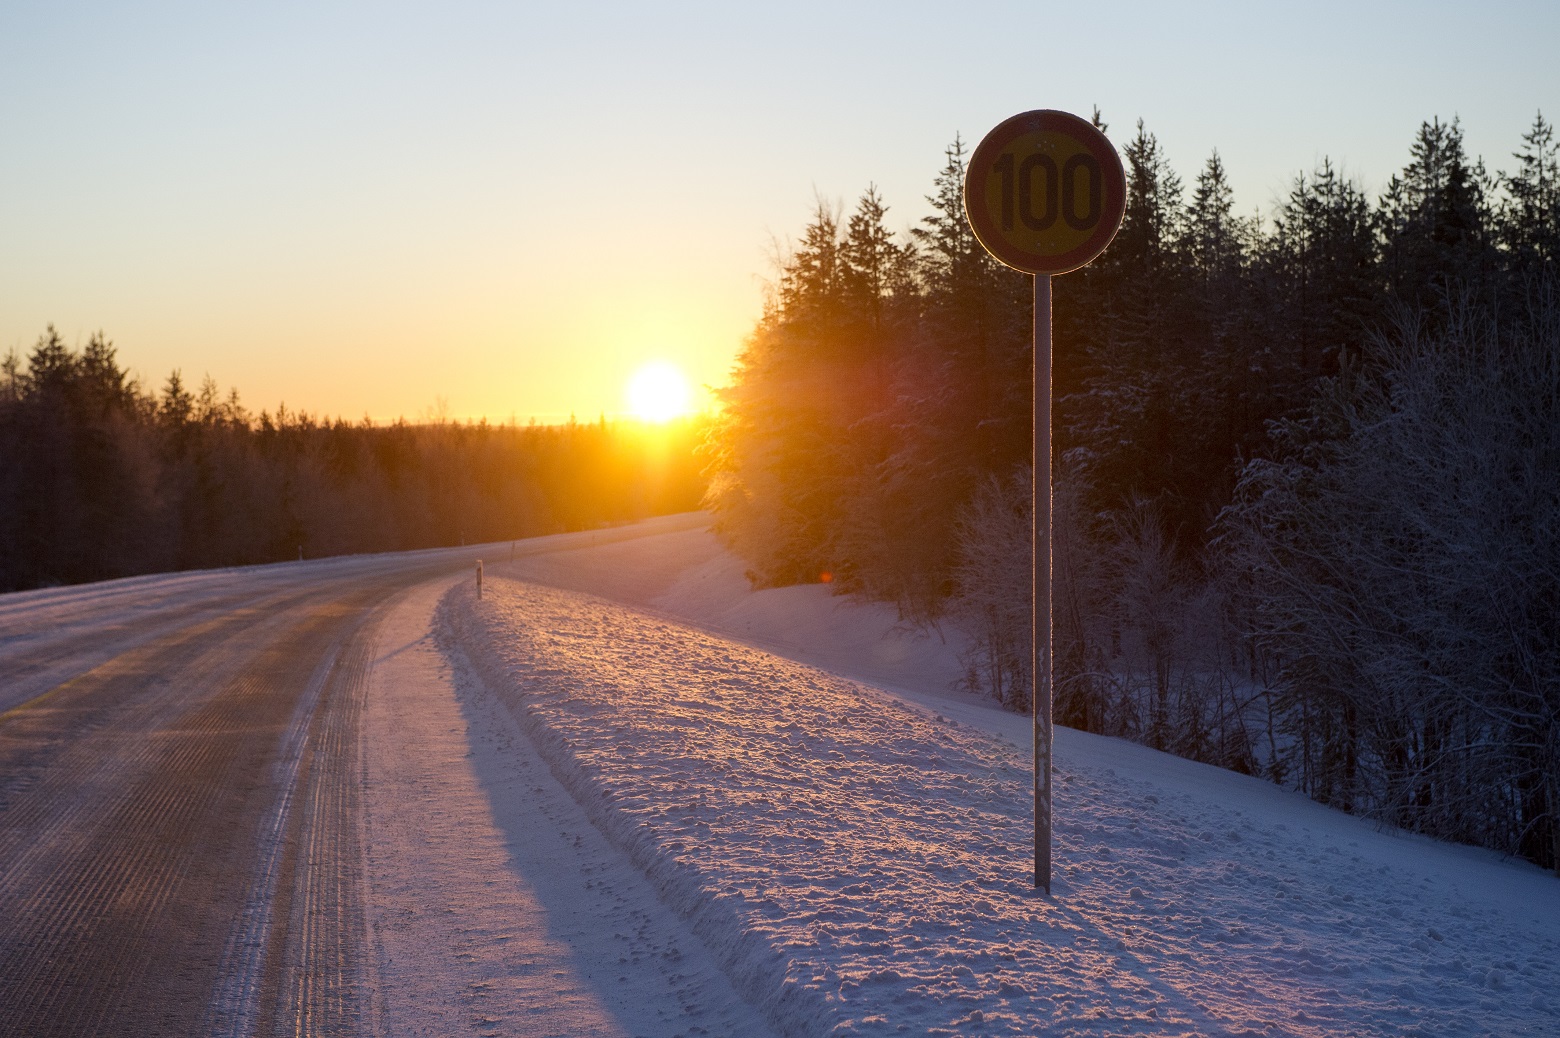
659, 392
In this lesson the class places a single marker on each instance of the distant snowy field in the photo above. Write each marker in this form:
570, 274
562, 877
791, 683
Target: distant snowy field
852, 841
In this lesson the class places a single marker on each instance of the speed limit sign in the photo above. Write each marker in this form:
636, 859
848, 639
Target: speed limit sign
1045, 192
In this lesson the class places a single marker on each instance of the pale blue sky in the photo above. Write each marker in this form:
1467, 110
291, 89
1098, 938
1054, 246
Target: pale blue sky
364, 208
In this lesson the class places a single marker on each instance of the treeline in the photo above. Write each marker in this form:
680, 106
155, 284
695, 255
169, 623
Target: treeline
101, 479
1306, 483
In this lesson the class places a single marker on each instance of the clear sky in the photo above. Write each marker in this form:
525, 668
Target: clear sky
373, 208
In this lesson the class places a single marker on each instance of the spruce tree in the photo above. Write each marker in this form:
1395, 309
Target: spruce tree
1215, 238
1529, 217
1436, 219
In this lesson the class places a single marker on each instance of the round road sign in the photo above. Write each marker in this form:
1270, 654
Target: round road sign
1044, 192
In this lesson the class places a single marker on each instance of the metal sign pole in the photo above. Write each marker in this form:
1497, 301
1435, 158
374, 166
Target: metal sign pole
1045, 193
1043, 641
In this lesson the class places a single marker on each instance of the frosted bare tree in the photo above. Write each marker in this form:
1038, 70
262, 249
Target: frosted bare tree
994, 599
1404, 559
994, 595
1149, 594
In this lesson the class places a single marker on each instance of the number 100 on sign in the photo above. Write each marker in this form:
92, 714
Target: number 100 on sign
1036, 193
1045, 192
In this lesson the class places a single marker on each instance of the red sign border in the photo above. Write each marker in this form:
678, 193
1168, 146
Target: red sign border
1046, 120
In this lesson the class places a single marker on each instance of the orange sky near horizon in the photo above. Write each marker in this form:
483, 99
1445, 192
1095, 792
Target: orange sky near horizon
504, 210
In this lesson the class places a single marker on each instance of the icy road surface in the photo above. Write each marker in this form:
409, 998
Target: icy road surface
248, 802
858, 863
179, 850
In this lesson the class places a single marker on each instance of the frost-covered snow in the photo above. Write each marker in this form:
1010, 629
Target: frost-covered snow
495, 906
858, 860
672, 805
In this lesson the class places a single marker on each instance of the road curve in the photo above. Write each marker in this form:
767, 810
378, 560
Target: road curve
180, 786
176, 819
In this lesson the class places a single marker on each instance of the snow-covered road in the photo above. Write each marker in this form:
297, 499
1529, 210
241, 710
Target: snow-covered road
260, 801
178, 847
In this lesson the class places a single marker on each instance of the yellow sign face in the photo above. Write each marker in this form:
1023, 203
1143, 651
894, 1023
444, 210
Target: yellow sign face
1045, 192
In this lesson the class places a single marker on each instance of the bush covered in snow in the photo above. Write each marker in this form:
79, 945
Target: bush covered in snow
1401, 560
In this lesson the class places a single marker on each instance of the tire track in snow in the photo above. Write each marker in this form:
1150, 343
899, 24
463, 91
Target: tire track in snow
253, 994
321, 991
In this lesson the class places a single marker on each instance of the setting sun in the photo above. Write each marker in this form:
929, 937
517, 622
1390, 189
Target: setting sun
659, 392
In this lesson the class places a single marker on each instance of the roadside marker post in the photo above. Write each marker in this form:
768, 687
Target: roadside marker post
479, 578
1044, 193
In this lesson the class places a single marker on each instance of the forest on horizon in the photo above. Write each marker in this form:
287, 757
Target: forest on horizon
101, 478
1307, 476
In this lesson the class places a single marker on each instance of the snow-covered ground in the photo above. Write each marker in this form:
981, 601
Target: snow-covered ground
851, 842
623, 794
495, 906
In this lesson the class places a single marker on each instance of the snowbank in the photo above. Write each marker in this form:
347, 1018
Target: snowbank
676, 567
859, 862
